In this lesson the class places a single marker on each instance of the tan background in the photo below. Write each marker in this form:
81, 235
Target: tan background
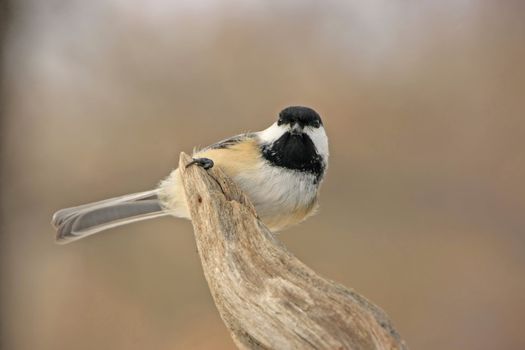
422, 209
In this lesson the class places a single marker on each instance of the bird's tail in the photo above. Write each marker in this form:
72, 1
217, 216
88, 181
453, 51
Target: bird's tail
79, 222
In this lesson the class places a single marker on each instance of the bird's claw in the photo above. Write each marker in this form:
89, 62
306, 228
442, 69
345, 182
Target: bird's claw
205, 163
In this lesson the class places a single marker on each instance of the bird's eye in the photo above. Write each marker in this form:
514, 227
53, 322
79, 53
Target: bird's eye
280, 122
316, 124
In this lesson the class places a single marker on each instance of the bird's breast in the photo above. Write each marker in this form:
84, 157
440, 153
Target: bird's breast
282, 197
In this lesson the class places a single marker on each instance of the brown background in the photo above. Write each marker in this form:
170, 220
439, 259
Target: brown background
422, 210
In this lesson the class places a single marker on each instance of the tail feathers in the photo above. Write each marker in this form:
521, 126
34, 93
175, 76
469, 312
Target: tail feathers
82, 221
60, 216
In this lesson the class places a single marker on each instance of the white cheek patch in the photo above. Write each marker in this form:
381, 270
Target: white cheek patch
318, 136
273, 133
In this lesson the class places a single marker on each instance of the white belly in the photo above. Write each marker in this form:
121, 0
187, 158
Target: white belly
282, 197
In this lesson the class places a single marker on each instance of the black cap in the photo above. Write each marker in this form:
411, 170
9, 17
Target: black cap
304, 116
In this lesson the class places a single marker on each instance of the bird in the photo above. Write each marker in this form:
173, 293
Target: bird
280, 169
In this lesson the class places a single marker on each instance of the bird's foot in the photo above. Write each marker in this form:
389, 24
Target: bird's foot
205, 163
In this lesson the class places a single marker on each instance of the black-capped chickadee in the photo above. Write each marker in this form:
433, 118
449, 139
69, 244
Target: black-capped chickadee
279, 168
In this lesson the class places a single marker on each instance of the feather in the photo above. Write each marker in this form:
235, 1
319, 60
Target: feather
78, 222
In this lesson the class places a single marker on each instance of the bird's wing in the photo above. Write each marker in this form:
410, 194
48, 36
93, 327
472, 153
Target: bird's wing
229, 142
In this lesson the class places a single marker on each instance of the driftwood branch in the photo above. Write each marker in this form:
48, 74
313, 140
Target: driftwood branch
266, 297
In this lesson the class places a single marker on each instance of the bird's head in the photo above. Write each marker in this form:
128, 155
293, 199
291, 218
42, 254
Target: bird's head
298, 135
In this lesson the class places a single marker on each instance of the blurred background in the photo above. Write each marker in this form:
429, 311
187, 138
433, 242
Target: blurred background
422, 210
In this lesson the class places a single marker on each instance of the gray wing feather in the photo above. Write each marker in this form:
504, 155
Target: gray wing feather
226, 143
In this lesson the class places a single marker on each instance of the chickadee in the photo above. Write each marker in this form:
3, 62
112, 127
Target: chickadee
279, 168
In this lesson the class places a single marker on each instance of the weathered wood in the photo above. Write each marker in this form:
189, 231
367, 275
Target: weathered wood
266, 297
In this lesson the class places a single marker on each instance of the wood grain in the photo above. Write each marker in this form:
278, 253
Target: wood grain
267, 298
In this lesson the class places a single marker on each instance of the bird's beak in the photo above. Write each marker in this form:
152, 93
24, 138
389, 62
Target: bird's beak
296, 129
